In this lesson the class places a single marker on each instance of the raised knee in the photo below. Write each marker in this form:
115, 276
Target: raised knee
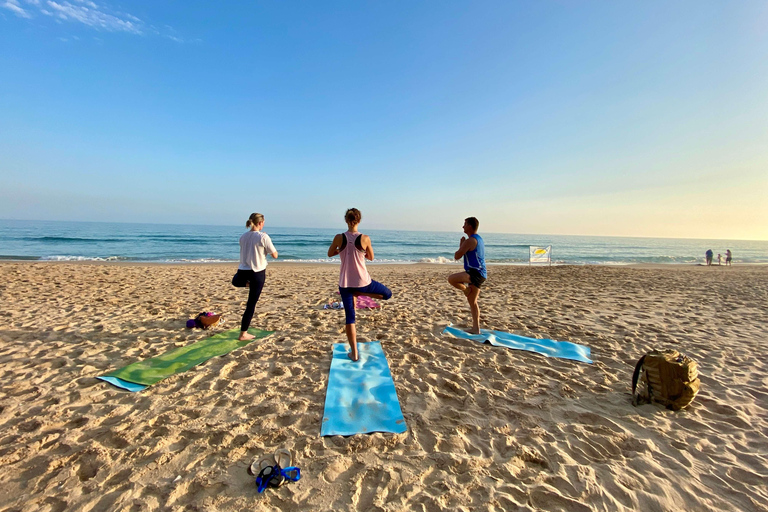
387, 294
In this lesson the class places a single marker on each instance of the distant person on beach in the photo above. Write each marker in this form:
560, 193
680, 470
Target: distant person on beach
353, 249
719, 259
254, 247
728, 257
709, 255
472, 249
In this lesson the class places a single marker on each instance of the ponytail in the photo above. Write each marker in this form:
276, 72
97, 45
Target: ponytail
254, 220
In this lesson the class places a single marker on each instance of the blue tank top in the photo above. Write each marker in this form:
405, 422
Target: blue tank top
476, 258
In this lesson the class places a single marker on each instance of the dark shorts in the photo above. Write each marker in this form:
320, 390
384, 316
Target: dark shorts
475, 278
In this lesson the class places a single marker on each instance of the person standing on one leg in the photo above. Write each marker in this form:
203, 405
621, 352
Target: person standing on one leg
354, 248
254, 247
472, 249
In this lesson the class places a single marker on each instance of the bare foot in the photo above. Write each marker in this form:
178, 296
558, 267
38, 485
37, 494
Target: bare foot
355, 358
245, 336
473, 331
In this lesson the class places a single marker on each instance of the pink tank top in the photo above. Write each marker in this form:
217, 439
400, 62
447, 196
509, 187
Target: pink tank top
353, 271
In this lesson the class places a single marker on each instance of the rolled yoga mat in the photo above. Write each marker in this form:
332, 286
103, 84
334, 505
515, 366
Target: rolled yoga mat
361, 396
137, 376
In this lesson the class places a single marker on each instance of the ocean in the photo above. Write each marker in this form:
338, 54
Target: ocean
101, 241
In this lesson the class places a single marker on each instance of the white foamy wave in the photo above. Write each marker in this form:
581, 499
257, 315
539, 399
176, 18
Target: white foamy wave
198, 260
440, 259
80, 258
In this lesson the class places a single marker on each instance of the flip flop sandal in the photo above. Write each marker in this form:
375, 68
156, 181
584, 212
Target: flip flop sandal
283, 459
269, 476
255, 468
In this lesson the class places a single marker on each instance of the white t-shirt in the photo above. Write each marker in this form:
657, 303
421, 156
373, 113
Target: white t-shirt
254, 247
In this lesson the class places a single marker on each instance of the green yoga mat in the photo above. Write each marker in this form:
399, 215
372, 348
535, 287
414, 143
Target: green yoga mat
179, 360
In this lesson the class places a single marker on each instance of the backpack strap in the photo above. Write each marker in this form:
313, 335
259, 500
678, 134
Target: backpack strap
636, 374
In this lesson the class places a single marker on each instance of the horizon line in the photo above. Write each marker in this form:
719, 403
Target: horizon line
390, 229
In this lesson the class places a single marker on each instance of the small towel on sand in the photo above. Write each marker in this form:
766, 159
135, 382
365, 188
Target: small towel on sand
361, 396
550, 348
137, 376
365, 302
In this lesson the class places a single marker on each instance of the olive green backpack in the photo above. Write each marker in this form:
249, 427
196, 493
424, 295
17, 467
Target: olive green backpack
667, 377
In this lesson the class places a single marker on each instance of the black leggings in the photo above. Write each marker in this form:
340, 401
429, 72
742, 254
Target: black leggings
256, 280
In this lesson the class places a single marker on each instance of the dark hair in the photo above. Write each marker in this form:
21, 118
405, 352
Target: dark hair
353, 216
473, 222
254, 220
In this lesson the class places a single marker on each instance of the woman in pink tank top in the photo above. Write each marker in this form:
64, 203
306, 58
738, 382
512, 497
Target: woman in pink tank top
354, 248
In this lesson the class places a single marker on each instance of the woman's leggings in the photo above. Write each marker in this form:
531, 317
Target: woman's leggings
348, 297
256, 280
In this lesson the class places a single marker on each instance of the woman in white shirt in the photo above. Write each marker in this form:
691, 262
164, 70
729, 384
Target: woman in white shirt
254, 247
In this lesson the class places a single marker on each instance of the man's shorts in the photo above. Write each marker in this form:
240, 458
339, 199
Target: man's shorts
475, 278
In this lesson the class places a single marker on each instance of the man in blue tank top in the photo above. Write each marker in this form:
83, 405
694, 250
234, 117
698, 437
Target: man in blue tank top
472, 249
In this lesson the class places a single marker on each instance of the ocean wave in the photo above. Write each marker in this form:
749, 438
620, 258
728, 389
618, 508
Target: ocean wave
293, 243
198, 260
83, 258
514, 246
60, 239
337, 261
201, 240
309, 260
440, 260
219, 244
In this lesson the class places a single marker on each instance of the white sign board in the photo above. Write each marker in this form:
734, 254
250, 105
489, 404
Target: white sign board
540, 254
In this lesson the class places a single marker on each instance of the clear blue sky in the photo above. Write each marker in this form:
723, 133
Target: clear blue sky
602, 118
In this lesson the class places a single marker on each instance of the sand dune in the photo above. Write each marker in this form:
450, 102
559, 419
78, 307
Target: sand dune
488, 428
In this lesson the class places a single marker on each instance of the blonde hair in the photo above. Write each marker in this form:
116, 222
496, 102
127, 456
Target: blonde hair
254, 220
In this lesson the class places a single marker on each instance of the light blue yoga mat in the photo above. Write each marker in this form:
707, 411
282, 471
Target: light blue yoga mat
550, 348
130, 386
361, 396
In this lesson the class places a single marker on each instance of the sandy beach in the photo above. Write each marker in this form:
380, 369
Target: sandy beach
488, 428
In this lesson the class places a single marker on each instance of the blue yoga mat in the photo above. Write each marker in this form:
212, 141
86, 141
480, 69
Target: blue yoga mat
130, 386
549, 348
361, 396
